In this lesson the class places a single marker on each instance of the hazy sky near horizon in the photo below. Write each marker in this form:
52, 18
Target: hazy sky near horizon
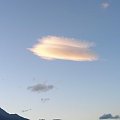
63, 87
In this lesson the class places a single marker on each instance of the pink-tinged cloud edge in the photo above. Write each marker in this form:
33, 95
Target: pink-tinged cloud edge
62, 48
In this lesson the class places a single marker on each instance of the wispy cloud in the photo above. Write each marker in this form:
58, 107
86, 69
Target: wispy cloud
52, 47
109, 116
40, 88
105, 5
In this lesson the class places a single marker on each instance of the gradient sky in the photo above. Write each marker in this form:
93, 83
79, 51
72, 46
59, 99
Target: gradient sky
82, 90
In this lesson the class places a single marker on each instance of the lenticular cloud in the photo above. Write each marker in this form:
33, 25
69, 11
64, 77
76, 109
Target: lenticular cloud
52, 47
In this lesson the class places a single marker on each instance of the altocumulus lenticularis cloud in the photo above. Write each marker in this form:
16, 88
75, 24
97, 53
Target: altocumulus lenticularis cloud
53, 47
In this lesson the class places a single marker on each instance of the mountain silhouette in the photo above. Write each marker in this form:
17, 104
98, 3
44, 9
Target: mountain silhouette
6, 116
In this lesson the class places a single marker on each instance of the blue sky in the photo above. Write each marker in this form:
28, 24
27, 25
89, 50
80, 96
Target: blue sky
82, 90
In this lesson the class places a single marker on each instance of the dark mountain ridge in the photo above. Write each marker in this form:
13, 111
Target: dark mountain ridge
6, 116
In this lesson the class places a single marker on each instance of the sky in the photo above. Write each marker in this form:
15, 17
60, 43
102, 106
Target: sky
60, 58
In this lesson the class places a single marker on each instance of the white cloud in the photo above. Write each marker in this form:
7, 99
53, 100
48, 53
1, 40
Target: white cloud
105, 5
52, 47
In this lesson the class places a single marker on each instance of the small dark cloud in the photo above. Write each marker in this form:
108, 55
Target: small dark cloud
109, 116
40, 88
45, 99
53, 119
26, 110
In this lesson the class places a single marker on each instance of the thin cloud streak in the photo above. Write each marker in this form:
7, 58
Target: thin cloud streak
45, 99
52, 47
26, 110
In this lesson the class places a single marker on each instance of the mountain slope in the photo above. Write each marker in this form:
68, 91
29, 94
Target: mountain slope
6, 116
